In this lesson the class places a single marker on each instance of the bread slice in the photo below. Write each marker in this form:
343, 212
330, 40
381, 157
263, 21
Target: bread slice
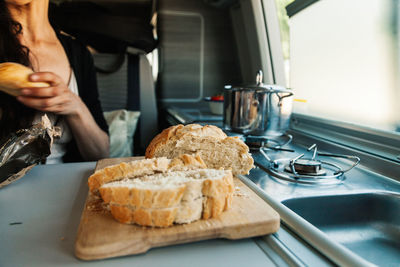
155, 191
142, 167
14, 77
172, 197
146, 217
209, 142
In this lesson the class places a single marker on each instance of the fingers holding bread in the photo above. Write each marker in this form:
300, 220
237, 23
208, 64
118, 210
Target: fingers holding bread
14, 77
46, 77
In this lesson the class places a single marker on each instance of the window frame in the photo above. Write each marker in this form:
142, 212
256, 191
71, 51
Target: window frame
375, 142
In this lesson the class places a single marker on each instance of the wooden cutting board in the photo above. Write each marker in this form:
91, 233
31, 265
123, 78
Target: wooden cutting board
100, 236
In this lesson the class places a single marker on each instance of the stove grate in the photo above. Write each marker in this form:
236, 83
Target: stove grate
309, 170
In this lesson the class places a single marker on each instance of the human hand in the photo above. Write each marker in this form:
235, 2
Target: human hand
56, 98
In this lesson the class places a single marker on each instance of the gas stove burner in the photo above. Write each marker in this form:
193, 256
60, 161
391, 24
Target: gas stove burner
307, 166
309, 170
268, 142
329, 173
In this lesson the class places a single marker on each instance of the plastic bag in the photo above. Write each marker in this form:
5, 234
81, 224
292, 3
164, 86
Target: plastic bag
24, 149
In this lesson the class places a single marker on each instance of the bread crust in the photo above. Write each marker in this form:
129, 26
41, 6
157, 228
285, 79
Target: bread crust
189, 211
143, 198
217, 196
178, 131
161, 207
146, 217
14, 77
182, 200
141, 168
126, 169
193, 138
186, 162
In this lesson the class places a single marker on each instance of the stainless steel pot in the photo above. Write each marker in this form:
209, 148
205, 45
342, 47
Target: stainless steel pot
258, 109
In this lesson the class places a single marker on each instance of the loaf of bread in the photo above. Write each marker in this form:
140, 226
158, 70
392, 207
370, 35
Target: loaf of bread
209, 142
138, 168
14, 77
159, 200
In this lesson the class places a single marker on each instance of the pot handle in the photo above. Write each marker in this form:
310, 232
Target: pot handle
288, 94
280, 89
273, 88
282, 97
259, 77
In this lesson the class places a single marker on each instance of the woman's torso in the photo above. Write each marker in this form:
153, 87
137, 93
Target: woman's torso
59, 147
50, 56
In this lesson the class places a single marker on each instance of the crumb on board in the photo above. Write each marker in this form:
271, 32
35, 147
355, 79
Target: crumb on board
62, 238
238, 193
97, 205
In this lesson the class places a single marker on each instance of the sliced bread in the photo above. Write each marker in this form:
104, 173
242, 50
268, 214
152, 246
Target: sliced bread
209, 142
172, 197
138, 168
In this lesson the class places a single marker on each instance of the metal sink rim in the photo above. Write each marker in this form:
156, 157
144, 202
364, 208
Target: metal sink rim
376, 225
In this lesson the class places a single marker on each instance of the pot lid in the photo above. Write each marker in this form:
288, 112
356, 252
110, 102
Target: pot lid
259, 85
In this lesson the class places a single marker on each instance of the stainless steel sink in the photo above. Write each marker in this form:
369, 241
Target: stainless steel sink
354, 222
367, 224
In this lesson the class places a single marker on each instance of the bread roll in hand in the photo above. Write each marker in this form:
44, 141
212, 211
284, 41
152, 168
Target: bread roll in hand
14, 77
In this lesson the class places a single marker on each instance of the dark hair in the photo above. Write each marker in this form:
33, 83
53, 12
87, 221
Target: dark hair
13, 114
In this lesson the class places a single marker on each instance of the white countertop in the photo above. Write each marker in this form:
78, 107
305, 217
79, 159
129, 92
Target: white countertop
48, 201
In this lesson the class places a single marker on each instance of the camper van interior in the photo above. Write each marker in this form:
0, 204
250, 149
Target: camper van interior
310, 88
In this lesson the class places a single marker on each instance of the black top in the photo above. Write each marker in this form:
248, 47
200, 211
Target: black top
82, 64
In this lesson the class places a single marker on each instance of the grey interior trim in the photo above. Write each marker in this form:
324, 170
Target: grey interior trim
242, 43
252, 40
135, 51
201, 57
259, 41
380, 143
320, 241
286, 257
307, 255
277, 256
148, 105
274, 41
298, 5
262, 36
112, 87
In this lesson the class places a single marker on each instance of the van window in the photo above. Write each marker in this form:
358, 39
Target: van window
342, 59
